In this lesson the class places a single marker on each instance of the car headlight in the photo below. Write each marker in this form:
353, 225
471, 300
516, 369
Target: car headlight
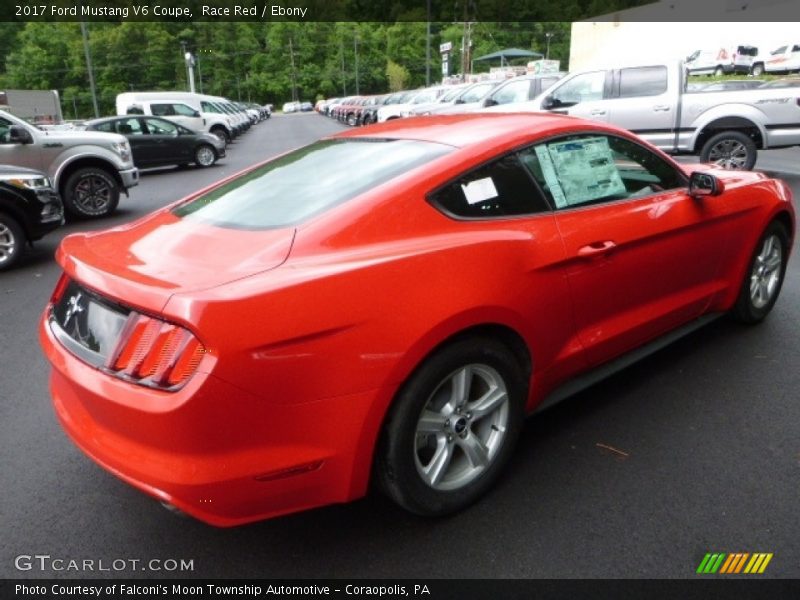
123, 149
30, 182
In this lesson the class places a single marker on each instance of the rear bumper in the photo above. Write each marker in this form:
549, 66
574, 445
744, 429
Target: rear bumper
210, 449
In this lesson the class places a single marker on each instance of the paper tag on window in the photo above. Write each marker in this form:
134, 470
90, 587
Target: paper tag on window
479, 190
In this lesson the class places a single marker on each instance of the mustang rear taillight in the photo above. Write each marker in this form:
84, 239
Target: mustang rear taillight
155, 353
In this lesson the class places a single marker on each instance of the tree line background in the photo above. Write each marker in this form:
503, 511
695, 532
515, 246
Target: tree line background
270, 62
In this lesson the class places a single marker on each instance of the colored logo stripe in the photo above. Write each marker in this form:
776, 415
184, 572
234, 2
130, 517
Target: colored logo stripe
734, 563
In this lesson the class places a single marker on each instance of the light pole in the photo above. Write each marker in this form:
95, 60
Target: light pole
548, 35
189, 58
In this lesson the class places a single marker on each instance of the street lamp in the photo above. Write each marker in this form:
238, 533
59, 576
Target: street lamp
548, 35
190, 62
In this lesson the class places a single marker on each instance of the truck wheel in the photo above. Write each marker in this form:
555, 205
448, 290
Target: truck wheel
204, 156
12, 241
758, 69
718, 72
732, 150
222, 134
91, 192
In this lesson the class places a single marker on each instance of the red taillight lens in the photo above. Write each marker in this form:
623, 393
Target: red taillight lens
156, 353
62, 284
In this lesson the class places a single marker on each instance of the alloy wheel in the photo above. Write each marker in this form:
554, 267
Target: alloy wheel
766, 274
729, 154
462, 427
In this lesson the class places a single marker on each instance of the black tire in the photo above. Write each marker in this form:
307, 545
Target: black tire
222, 134
406, 456
758, 69
205, 155
764, 277
730, 150
12, 241
719, 72
91, 192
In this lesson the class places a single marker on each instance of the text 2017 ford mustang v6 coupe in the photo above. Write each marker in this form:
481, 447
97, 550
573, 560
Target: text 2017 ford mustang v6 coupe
387, 304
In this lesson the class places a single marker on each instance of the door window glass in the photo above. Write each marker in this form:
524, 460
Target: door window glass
642, 81
581, 88
588, 169
161, 127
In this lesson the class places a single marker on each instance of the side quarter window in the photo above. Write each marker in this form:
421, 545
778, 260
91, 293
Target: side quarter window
586, 169
502, 188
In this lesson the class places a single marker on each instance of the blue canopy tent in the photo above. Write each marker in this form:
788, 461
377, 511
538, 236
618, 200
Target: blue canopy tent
508, 53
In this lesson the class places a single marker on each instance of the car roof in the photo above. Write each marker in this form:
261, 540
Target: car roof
474, 129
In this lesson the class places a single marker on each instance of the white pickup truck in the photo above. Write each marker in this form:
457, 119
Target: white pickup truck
725, 127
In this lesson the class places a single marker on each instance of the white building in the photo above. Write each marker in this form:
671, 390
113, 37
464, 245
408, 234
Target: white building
654, 32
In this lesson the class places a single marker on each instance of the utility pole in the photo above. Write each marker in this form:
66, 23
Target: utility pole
294, 80
428, 48
89, 68
355, 50
344, 76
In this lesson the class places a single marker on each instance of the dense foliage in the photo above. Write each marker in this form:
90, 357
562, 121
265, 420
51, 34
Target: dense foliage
262, 62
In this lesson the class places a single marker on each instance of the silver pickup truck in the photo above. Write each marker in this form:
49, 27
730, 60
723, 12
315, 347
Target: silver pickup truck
725, 127
89, 169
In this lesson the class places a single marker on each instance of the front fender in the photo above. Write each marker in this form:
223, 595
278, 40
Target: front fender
82, 152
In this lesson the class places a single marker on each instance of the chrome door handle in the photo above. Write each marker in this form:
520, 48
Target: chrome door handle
661, 108
597, 112
596, 249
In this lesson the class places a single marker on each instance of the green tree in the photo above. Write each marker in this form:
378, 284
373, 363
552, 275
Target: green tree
397, 75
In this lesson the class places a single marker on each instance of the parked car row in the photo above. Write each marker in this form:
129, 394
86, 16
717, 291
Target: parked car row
439, 99
744, 59
197, 112
81, 170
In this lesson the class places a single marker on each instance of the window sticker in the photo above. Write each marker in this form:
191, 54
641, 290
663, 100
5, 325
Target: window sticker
479, 190
550, 176
585, 170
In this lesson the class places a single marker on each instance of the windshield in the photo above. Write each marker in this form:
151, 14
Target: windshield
308, 181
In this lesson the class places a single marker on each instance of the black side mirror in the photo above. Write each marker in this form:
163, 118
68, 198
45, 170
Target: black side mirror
704, 184
549, 102
17, 134
490, 102
459, 101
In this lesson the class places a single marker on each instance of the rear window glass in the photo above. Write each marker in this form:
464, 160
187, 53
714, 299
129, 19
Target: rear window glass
308, 181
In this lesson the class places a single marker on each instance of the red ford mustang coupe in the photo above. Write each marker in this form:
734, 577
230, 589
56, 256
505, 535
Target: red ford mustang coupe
386, 305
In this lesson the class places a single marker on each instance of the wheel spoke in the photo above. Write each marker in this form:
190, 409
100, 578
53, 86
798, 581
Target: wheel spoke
461, 382
475, 450
435, 470
431, 422
773, 263
765, 291
488, 403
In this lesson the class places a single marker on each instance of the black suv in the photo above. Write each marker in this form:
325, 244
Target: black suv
29, 208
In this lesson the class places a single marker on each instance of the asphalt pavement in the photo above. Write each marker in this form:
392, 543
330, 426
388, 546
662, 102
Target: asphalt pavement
694, 450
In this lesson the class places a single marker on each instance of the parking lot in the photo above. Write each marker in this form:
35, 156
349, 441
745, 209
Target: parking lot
693, 450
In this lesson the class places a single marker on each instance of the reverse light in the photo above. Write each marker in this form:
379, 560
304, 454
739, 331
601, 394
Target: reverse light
155, 353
